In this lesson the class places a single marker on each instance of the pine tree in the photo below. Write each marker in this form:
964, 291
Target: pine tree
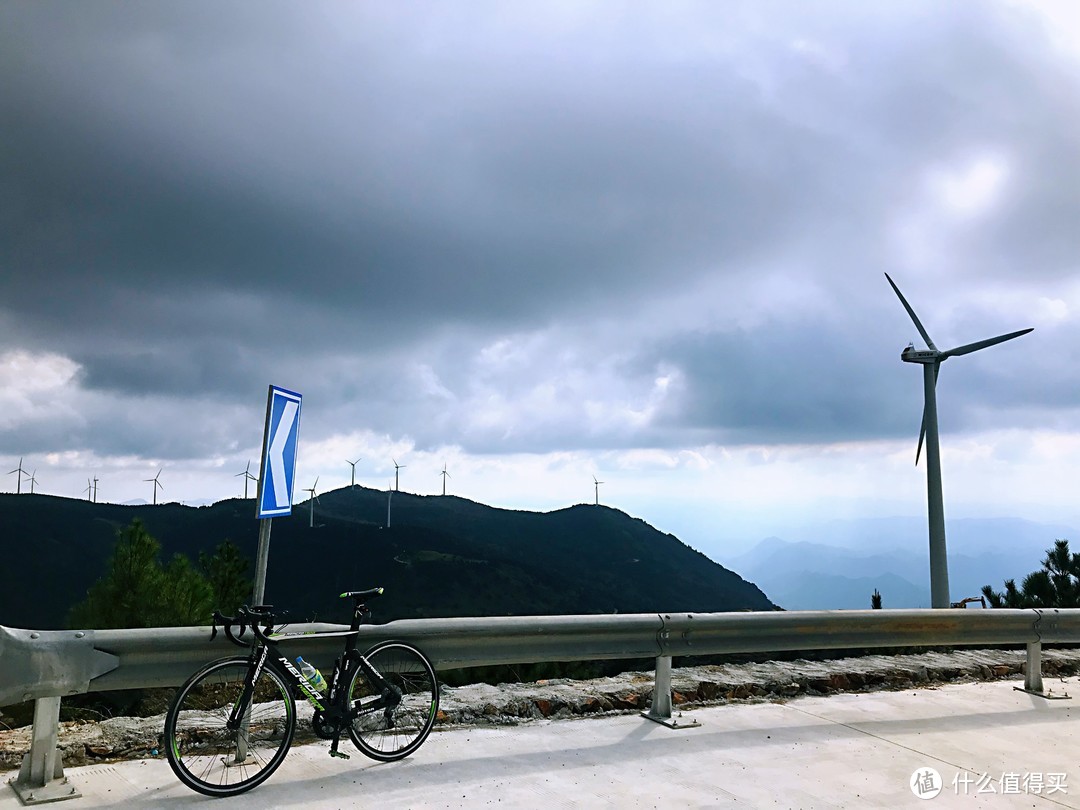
138, 591
227, 572
1057, 584
127, 596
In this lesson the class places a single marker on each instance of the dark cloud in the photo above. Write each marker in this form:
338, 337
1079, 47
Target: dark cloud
367, 202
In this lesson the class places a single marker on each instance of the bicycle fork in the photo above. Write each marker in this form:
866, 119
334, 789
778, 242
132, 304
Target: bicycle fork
241, 724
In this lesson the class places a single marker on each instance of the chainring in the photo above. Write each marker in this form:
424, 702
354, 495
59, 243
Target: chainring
324, 727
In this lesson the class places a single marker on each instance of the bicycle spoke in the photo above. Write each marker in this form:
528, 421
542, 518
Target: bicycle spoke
204, 753
393, 722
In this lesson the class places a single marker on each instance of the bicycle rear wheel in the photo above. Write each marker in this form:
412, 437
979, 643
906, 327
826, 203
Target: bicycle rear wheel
389, 731
209, 757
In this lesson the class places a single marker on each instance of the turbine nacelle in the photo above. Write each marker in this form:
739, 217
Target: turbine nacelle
913, 355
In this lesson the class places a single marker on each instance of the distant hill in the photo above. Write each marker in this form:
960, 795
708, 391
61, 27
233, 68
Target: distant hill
442, 556
838, 565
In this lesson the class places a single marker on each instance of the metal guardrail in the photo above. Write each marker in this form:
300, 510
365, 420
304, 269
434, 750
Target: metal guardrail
49, 665
44, 663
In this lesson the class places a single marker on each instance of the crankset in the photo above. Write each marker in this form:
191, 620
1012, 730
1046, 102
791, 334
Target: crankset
325, 727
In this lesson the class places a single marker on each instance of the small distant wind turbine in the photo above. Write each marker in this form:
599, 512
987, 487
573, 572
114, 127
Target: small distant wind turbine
597, 485
311, 503
353, 464
89, 489
444, 475
96, 479
156, 484
396, 468
389, 498
19, 477
931, 361
32, 481
247, 477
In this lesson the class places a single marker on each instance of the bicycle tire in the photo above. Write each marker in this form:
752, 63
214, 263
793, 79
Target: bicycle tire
392, 734
200, 748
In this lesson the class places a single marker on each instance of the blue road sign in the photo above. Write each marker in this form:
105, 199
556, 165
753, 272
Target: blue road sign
280, 438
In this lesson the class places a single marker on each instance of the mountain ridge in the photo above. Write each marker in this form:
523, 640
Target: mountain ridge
440, 556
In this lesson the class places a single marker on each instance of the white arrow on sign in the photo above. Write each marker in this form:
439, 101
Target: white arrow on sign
277, 454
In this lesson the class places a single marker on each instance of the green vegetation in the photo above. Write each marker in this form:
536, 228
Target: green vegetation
1055, 585
227, 572
875, 600
138, 591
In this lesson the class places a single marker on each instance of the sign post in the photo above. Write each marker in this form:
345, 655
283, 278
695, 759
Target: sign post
277, 472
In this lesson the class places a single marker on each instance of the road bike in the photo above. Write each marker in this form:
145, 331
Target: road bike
230, 725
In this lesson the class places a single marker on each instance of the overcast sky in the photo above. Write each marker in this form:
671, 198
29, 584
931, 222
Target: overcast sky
541, 242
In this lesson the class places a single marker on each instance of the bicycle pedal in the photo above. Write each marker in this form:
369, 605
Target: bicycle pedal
339, 754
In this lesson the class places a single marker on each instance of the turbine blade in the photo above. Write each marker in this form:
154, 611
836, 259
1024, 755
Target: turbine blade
922, 428
911, 312
982, 344
922, 435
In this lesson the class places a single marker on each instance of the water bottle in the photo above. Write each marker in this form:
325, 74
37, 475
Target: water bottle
314, 677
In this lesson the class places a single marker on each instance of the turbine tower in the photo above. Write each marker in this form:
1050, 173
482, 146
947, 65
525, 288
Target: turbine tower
89, 489
931, 361
444, 475
96, 479
19, 477
247, 477
389, 498
33, 480
353, 464
311, 503
396, 468
156, 484
597, 485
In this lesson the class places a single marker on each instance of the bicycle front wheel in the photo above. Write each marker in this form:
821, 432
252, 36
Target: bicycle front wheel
214, 759
393, 722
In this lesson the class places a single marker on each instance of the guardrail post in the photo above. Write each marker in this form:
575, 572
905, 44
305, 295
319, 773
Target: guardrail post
41, 776
1033, 676
660, 710
1033, 684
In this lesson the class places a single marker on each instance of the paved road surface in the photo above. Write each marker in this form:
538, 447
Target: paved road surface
848, 750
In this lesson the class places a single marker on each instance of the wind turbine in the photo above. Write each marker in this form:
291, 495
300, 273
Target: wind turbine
96, 479
931, 360
156, 484
31, 478
311, 503
444, 475
597, 485
247, 477
353, 464
89, 488
389, 498
18, 478
396, 468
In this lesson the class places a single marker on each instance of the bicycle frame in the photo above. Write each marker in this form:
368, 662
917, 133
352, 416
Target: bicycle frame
385, 697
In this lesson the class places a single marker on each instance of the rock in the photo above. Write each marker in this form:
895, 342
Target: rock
707, 690
839, 682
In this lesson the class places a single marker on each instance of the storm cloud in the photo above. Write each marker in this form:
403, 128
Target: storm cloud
512, 228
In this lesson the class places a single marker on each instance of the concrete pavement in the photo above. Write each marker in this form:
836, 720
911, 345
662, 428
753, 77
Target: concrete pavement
976, 745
